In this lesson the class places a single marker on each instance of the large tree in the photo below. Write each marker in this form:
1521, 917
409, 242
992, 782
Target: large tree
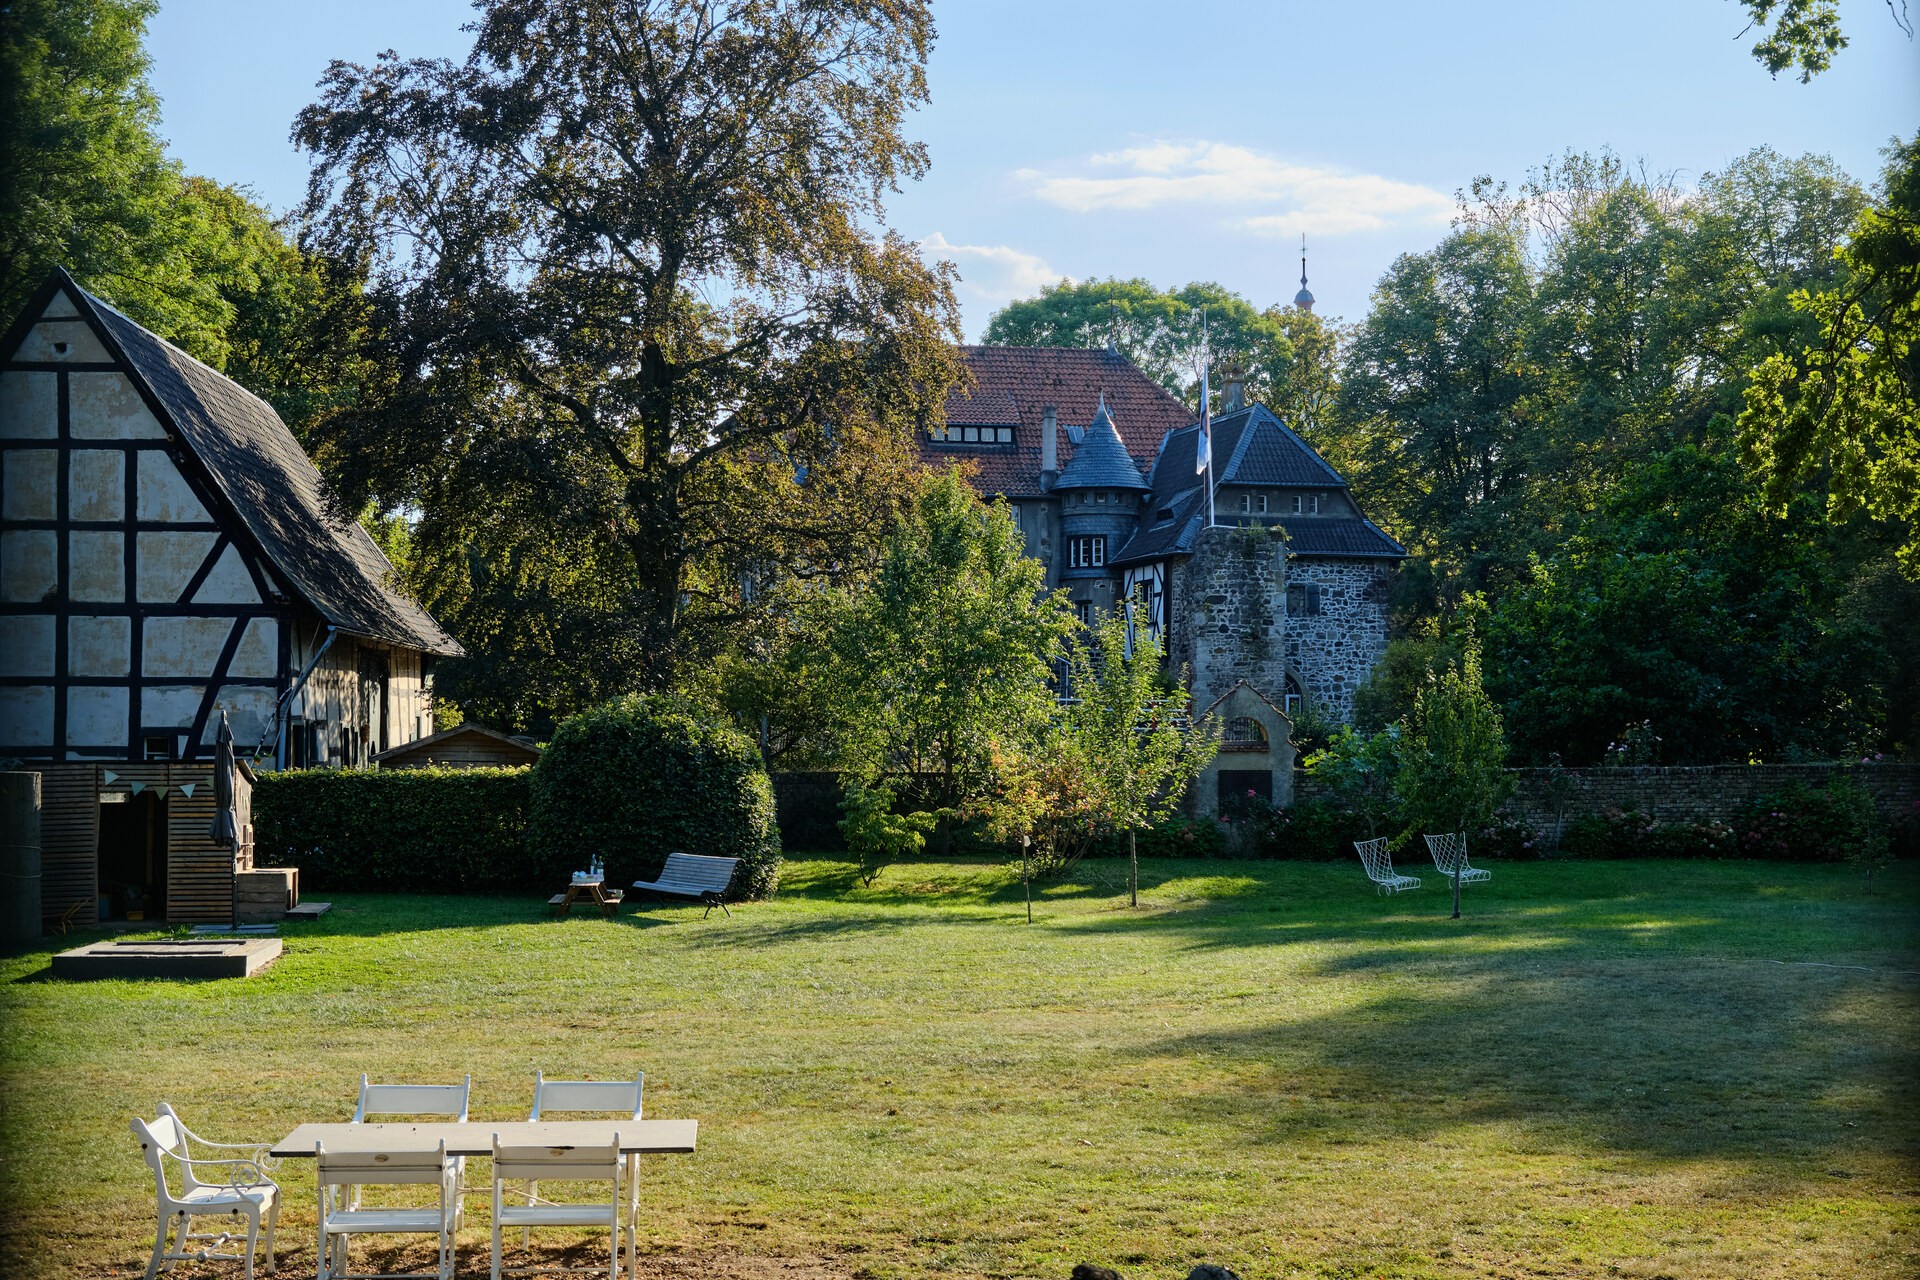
649, 349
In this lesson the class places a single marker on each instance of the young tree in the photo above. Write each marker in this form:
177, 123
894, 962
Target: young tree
943, 658
1361, 770
1453, 754
642, 320
1131, 729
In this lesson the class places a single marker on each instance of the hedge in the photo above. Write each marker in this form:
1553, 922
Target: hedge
399, 830
637, 778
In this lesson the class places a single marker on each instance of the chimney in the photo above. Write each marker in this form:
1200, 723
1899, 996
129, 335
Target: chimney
1235, 398
1049, 446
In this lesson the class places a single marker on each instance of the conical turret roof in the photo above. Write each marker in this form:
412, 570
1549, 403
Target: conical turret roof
1100, 460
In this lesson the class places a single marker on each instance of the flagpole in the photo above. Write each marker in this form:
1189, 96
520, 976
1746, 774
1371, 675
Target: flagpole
1206, 408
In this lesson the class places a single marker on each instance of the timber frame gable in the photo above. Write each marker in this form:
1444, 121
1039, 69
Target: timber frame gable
164, 546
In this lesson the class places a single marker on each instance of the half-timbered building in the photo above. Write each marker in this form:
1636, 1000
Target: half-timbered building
167, 556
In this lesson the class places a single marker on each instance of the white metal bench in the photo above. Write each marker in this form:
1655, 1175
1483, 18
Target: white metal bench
694, 875
1379, 864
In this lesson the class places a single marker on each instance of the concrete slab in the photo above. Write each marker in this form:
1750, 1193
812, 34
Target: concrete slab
240, 957
309, 910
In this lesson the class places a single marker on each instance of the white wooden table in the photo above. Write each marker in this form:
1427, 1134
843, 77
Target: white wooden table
475, 1137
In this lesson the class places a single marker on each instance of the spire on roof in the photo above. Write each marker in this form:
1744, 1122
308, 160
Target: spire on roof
1303, 299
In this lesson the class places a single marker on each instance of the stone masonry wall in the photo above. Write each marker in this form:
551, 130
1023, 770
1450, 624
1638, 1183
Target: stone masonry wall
1229, 614
1335, 650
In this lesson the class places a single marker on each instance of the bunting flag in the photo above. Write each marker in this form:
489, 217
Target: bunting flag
108, 777
159, 791
136, 787
186, 789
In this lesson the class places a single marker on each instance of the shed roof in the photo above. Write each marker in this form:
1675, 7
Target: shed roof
449, 739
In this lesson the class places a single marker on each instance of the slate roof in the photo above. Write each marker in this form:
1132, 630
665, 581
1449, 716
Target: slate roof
1021, 381
1100, 461
332, 565
1251, 447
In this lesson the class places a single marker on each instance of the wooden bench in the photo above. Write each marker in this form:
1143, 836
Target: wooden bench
694, 875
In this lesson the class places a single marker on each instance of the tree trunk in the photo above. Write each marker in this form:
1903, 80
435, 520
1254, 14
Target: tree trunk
1026, 876
1456, 887
1133, 882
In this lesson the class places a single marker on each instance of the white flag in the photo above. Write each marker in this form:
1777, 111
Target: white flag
1203, 450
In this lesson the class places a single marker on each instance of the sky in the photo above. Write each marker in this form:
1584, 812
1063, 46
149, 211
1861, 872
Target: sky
1182, 142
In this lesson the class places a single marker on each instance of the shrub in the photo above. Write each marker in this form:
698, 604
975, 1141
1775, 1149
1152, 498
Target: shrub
640, 777
402, 830
1799, 823
1317, 831
1509, 839
1176, 837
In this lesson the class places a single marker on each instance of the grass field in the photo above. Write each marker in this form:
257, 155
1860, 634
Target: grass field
1615, 1069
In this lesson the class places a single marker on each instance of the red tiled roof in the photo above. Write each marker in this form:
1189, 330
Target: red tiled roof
1014, 384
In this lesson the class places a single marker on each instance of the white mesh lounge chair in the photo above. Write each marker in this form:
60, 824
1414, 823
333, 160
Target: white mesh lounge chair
342, 1174
1379, 864
617, 1098
550, 1165
210, 1186
1450, 851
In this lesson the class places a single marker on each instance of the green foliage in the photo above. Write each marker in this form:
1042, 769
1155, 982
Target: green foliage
401, 830
1129, 726
1838, 822
1160, 332
651, 350
1452, 752
944, 656
1361, 774
1845, 409
1629, 833
875, 834
1404, 669
1177, 836
1320, 830
641, 777
1804, 34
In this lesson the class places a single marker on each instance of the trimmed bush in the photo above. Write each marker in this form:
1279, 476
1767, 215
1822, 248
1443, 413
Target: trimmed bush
1799, 823
398, 830
640, 777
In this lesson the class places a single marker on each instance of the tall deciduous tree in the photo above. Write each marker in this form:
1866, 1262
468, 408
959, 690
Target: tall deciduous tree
1846, 409
1452, 757
1159, 330
650, 351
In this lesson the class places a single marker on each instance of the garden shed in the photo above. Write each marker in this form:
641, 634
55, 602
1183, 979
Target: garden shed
465, 746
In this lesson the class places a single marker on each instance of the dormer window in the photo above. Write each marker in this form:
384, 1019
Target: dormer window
1246, 502
953, 433
1298, 503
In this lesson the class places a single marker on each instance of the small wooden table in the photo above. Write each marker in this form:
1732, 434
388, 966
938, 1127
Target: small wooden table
594, 891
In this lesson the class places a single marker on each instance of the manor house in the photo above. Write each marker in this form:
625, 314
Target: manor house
1281, 601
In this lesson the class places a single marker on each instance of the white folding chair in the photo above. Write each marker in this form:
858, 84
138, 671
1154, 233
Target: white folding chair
1379, 865
620, 1098
558, 1164
412, 1101
1450, 851
342, 1174
210, 1186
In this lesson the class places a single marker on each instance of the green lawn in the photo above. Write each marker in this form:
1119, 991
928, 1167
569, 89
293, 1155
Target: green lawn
1614, 1069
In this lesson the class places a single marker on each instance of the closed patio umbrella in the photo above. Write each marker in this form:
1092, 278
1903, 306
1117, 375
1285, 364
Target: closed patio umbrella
225, 829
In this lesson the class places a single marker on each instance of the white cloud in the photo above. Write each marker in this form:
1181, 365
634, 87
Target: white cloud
1268, 195
993, 272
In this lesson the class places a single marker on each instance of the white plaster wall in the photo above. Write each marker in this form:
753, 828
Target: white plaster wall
162, 493
97, 484
64, 341
96, 561
248, 711
171, 706
26, 716
228, 582
99, 646
29, 406
97, 717
167, 563
104, 406
259, 651
182, 646
30, 489
28, 565
60, 305
26, 645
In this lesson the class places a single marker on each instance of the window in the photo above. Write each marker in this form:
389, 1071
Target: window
158, 748
1246, 502
1316, 503
948, 434
1086, 553
1083, 610
1303, 599
1263, 504
1100, 496
1298, 503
